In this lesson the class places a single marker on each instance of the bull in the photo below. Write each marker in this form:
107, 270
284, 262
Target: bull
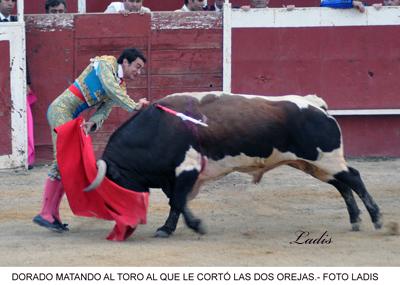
249, 134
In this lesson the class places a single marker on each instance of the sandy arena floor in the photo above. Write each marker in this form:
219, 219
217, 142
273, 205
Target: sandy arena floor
248, 225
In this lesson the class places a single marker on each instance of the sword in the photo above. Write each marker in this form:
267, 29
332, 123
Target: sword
181, 115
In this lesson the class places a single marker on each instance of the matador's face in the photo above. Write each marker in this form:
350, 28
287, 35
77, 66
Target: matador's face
133, 69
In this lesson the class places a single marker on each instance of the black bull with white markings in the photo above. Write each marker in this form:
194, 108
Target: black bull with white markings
250, 134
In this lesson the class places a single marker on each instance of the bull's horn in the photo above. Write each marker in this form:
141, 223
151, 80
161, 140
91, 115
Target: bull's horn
101, 172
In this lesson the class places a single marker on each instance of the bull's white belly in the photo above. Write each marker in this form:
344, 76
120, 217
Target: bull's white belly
327, 164
244, 163
330, 162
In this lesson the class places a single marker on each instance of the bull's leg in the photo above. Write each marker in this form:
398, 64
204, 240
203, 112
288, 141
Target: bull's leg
353, 180
193, 222
325, 175
351, 204
170, 224
183, 186
178, 200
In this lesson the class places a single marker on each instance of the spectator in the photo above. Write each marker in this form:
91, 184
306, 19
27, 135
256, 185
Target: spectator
56, 6
343, 4
386, 3
6, 8
218, 6
255, 4
391, 2
192, 5
205, 5
127, 6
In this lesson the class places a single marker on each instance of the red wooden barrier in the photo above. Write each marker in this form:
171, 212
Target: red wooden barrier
5, 99
371, 135
50, 54
316, 60
97, 6
186, 57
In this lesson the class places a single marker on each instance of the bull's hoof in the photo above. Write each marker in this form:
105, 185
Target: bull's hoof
378, 221
163, 232
201, 229
355, 227
378, 225
198, 226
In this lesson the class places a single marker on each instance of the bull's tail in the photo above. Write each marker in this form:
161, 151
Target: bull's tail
101, 173
318, 101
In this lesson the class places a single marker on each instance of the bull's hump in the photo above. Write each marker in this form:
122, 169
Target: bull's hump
302, 102
199, 95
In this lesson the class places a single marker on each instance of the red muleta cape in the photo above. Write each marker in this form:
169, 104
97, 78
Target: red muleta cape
77, 164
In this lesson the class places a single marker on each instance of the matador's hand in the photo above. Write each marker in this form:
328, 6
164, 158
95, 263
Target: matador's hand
143, 102
88, 127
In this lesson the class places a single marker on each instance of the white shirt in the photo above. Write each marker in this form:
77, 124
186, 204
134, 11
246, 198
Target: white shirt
216, 8
120, 73
186, 9
2, 17
183, 9
116, 7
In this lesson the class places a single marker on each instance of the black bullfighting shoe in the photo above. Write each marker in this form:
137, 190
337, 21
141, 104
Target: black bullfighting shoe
63, 226
54, 226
